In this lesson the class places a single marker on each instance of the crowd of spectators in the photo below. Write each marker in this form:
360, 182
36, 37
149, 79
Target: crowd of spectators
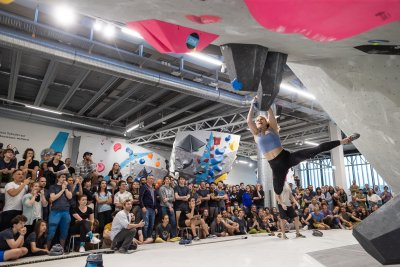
47, 203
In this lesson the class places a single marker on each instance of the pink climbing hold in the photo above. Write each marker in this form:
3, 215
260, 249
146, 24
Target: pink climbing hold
321, 20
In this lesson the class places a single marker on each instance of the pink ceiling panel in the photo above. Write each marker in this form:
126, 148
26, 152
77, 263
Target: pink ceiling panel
170, 38
324, 20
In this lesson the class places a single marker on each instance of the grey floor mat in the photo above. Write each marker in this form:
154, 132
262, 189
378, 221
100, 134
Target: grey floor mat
349, 256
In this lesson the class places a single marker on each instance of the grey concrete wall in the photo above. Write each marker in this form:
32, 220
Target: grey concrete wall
361, 94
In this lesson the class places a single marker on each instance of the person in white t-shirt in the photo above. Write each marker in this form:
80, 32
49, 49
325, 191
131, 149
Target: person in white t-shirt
122, 195
14, 191
286, 210
123, 229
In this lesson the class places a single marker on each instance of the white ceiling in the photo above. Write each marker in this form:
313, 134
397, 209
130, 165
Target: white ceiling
237, 25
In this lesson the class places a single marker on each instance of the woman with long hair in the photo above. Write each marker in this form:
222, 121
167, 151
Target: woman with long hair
115, 176
36, 241
266, 135
29, 166
83, 225
32, 206
104, 209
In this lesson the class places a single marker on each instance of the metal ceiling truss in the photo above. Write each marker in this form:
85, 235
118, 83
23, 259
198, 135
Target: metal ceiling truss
15, 64
227, 123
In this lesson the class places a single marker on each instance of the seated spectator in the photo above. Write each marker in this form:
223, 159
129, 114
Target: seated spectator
374, 208
71, 170
89, 191
386, 195
306, 219
47, 174
12, 240
258, 197
359, 198
115, 176
106, 232
318, 219
123, 229
241, 223
373, 199
36, 242
104, 209
206, 217
83, 219
29, 166
33, 204
347, 219
121, 196
129, 181
264, 225
191, 219
87, 168
329, 218
354, 187
307, 198
8, 164
218, 227
314, 203
14, 192
164, 231
231, 226
60, 194
319, 194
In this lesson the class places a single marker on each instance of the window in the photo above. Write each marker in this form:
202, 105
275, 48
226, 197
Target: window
318, 172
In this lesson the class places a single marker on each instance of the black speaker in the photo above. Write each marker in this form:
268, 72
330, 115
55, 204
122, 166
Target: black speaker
379, 233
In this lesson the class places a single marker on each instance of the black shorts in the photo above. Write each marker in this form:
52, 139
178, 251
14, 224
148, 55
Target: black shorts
289, 213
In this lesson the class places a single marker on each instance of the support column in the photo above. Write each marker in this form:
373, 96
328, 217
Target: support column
337, 155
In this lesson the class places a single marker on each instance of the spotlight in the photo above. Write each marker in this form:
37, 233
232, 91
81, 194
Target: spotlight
64, 15
131, 32
109, 31
98, 25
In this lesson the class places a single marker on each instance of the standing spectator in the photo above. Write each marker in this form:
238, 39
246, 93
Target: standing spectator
121, 196
233, 197
60, 194
123, 229
354, 187
377, 190
258, 197
246, 199
386, 195
83, 218
87, 168
241, 190
182, 195
8, 164
36, 242
167, 203
75, 183
148, 205
135, 191
104, 210
221, 196
12, 240
88, 191
45, 191
360, 198
213, 202
204, 196
71, 170
33, 204
14, 192
115, 176
56, 165
29, 166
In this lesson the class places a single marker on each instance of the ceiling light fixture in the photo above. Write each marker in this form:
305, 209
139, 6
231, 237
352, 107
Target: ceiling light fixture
43, 109
205, 58
134, 127
243, 162
64, 15
131, 32
311, 143
295, 90
109, 31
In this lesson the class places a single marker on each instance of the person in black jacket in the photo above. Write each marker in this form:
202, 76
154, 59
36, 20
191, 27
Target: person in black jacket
147, 200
